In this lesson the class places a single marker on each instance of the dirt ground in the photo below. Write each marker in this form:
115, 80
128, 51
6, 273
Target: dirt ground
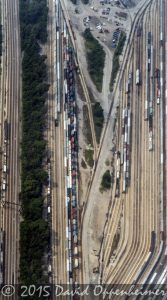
98, 202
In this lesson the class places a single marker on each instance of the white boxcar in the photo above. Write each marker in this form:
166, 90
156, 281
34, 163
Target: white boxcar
137, 77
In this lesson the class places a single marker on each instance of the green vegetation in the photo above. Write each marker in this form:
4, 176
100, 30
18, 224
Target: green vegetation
107, 162
106, 181
114, 72
0, 36
91, 96
34, 232
86, 126
0, 40
95, 57
117, 53
80, 89
121, 43
83, 164
98, 117
89, 157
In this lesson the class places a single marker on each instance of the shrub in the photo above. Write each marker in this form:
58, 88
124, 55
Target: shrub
98, 117
117, 53
95, 58
106, 180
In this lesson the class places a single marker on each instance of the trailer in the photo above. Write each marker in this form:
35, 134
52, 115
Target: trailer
75, 250
4, 186
56, 114
150, 122
122, 150
117, 192
4, 168
76, 263
6, 130
118, 163
146, 110
161, 39
124, 185
158, 93
150, 141
75, 238
152, 61
157, 74
127, 87
149, 38
137, 77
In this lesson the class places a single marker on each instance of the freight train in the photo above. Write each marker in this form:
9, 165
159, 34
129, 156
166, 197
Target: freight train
71, 160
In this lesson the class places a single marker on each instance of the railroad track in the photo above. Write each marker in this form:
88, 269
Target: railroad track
82, 80
106, 128
10, 111
151, 194
125, 200
63, 145
55, 137
157, 271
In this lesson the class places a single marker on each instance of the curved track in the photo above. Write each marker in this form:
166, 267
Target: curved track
141, 203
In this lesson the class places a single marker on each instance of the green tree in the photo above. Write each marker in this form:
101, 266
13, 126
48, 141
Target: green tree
106, 180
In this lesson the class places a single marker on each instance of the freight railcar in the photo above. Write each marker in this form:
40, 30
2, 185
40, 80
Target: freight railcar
137, 77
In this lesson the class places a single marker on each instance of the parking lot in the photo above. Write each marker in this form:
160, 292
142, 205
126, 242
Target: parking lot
104, 22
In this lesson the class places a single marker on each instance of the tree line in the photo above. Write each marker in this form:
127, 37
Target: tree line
117, 53
34, 231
